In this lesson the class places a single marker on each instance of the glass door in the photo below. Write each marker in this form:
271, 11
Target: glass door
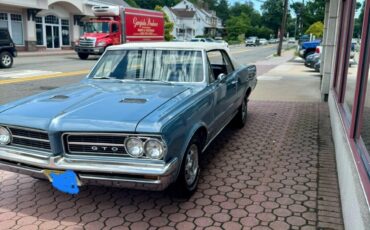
56, 37
52, 37
49, 37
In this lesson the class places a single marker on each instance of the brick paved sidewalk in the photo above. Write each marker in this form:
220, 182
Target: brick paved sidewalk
276, 173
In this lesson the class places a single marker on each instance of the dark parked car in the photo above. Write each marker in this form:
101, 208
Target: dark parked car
311, 60
7, 49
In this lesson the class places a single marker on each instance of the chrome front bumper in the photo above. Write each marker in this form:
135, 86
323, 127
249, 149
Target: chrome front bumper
128, 173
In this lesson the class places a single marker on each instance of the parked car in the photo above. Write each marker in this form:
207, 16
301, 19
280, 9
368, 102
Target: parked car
317, 66
308, 48
311, 60
273, 41
252, 41
7, 49
263, 42
291, 41
304, 38
220, 40
140, 119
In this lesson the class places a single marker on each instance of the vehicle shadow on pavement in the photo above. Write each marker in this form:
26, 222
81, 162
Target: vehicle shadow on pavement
264, 174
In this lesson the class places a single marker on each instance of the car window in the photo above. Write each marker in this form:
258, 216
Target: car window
211, 76
162, 65
4, 35
114, 28
220, 62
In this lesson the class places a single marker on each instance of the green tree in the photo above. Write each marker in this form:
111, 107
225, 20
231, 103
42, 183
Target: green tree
298, 9
316, 29
314, 11
358, 22
272, 14
246, 8
151, 4
168, 25
132, 3
236, 26
222, 10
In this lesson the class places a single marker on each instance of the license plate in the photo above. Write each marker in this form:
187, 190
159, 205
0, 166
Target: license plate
64, 181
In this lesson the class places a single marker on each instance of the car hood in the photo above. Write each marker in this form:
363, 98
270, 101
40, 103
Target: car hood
90, 106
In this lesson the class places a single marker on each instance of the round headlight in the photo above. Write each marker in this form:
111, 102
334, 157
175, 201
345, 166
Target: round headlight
134, 147
5, 136
154, 149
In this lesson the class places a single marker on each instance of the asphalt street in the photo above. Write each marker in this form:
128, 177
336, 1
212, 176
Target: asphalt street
31, 75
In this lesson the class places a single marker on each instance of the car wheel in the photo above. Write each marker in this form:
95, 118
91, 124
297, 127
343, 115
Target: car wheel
83, 56
240, 118
6, 60
188, 178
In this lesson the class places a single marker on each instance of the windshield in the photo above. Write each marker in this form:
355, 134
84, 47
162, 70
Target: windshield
151, 65
99, 27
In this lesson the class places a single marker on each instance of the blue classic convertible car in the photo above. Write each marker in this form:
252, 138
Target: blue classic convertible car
139, 120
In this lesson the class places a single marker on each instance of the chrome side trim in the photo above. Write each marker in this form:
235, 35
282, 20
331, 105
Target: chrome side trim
96, 144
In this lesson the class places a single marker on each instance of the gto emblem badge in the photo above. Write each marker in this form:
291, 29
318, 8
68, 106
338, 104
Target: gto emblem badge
104, 148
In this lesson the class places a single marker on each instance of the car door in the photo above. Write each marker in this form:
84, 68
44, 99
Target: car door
224, 88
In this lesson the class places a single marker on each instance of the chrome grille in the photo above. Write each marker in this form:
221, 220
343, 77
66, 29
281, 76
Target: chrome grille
87, 42
35, 139
106, 144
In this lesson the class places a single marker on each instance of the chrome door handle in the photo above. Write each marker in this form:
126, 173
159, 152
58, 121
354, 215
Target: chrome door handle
234, 82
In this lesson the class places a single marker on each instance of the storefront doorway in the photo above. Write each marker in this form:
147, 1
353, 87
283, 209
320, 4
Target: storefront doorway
52, 36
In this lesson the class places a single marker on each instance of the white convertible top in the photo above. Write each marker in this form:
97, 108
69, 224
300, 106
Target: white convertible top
170, 45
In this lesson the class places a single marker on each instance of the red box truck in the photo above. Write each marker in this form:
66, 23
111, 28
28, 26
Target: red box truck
115, 25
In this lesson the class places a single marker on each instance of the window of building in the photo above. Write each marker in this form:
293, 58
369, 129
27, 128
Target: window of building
51, 19
3, 20
65, 32
39, 31
17, 28
14, 24
353, 58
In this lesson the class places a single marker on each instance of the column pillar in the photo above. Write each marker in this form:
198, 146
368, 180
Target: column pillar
30, 35
76, 28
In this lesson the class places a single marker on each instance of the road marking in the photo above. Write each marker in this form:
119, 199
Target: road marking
24, 73
41, 77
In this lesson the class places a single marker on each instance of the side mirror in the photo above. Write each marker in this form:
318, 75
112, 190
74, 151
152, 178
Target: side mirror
221, 76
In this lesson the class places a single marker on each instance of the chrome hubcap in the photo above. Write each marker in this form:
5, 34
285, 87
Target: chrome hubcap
191, 165
6, 60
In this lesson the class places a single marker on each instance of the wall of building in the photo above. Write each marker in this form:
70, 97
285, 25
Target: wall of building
352, 175
354, 204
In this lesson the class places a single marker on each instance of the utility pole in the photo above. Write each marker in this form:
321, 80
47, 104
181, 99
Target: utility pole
282, 28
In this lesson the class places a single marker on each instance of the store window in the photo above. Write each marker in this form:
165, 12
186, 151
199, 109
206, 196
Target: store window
17, 28
39, 31
14, 24
51, 19
3, 20
65, 32
353, 59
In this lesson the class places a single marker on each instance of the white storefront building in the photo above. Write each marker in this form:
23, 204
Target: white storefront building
47, 24
190, 21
